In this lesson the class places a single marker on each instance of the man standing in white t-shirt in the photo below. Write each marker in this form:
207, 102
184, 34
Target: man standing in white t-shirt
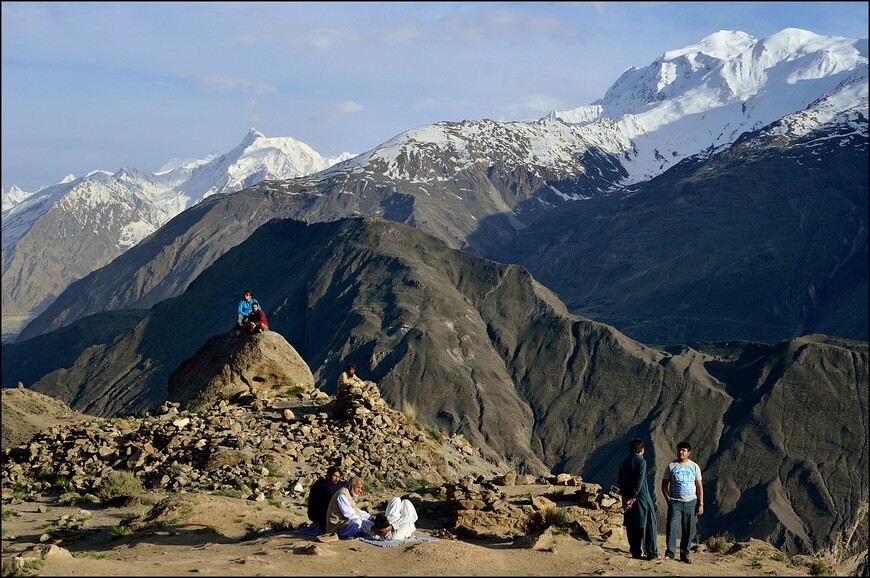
682, 489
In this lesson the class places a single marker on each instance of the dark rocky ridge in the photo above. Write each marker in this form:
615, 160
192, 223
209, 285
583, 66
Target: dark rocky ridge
482, 350
756, 242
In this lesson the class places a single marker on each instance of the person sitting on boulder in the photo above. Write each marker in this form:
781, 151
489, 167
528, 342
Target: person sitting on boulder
244, 309
256, 322
348, 377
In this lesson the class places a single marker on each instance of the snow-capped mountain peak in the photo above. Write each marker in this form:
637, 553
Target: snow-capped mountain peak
707, 94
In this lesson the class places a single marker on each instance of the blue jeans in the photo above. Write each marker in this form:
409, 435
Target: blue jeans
682, 517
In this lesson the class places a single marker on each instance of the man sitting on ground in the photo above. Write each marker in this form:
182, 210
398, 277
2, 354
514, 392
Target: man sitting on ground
343, 515
320, 495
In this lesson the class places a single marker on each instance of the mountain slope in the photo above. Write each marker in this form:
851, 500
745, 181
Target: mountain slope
763, 240
61, 233
482, 349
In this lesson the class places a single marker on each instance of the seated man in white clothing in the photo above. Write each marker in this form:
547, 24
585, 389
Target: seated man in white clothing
397, 523
343, 516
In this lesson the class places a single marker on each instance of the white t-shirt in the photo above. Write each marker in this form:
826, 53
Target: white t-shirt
682, 476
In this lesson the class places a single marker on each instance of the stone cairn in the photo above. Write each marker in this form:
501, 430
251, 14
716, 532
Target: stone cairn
358, 400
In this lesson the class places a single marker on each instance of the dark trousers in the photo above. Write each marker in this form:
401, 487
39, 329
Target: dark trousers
682, 518
642, 537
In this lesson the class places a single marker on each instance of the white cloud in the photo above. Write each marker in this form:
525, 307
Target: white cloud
540, 104
225, 83
348, 107
253, 113
485, 25
326, 38
403, 32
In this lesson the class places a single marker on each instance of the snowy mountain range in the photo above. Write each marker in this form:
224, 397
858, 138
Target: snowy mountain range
690, 101
83, 223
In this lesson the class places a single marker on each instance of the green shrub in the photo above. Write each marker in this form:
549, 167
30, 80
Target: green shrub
120, 483
543, 519
33, 564
779, 557
758, 562
819, 568
415, 484
19, 492
89, 554
228, 493
295, 390
282, 525
718, 544
369, 487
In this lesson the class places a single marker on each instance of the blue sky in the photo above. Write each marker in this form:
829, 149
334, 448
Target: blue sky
90, 86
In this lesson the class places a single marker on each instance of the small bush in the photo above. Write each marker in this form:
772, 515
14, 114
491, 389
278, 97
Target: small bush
369, 487
8, 514
120, 484
819, 568
33, 564
282, 525
779, 556
228, 493
758, 562
89, 554
415, 484
555, 517
19, 492
717, 544
295, 390
410, 412
119, 531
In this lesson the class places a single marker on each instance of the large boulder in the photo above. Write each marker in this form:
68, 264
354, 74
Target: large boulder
229, 367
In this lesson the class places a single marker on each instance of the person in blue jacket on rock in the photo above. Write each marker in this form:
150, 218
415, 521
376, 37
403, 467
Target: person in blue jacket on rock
245, 308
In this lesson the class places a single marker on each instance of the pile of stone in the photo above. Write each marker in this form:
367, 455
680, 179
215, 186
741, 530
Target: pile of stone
255, 451
359, 400
514, 505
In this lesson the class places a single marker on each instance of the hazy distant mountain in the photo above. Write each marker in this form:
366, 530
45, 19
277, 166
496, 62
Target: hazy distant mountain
482, 349
478, 184
61, 233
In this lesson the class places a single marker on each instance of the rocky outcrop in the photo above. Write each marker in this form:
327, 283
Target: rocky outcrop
274, 449
226, 366
500, 508
257, 449
26, 412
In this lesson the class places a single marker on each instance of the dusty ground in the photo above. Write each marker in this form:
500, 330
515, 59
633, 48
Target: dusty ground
216, 535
